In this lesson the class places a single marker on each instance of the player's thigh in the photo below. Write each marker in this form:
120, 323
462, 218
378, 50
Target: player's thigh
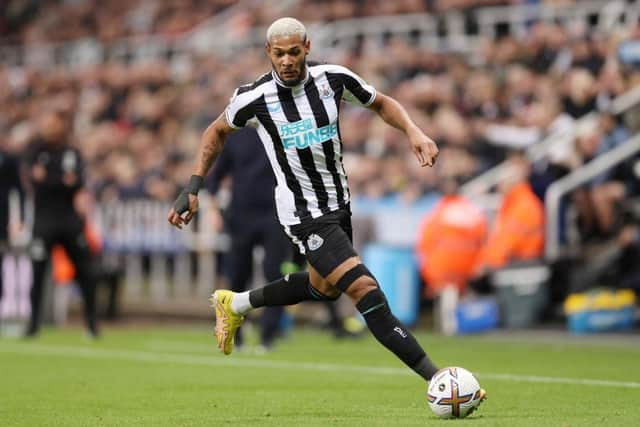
327, 248
334, 264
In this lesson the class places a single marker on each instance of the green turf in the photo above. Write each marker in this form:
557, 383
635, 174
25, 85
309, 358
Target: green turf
175, 377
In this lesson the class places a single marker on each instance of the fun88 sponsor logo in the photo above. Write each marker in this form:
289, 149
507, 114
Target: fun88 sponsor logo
302, 134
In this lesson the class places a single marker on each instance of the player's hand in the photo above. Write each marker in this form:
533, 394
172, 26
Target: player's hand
424, 148
183, 210
186, 205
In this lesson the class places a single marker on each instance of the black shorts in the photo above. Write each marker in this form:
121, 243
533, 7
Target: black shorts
326, 241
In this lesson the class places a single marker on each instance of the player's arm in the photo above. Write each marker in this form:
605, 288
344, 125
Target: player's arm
392, 112
211, 145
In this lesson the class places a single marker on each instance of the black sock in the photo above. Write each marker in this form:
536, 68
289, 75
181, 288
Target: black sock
288, 290
392, 334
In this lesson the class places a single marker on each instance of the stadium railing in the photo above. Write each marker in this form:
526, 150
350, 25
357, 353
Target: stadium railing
482, 184
561, 187
136, 230
607, 15
449, 31
166, 270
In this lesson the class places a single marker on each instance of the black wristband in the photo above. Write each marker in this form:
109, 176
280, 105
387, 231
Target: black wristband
194, 184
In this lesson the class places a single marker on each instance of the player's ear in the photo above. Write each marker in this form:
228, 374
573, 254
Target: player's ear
267, 47
307, 46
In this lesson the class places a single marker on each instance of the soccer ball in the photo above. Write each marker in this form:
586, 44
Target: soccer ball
453, 393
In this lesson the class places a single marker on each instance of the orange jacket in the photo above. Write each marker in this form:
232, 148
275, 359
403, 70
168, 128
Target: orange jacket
449, 243
63, 269
518, 231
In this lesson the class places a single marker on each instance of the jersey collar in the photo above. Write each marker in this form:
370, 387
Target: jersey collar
302, 82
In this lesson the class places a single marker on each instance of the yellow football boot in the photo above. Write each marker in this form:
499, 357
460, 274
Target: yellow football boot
227, 321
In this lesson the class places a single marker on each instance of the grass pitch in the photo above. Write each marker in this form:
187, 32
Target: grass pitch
176, 377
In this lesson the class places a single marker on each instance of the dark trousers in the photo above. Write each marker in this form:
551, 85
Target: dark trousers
69, 234
4, 245
1, 273
265, 232
2, 239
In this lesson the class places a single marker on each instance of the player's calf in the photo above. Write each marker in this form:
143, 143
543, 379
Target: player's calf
288, 290
370, 301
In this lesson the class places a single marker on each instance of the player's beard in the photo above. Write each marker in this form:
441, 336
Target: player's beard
301, 72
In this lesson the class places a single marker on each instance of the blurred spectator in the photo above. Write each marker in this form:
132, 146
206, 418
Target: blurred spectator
581, 92
517, 233
9, 182
56, 176
454, 226
598, 201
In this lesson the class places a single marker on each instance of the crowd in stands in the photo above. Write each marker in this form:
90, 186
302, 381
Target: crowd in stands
138, 124
31, 21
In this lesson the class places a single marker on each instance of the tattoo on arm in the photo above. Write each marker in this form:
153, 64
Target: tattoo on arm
210, 151
212, 144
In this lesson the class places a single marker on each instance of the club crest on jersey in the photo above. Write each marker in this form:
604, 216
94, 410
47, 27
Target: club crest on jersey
314, 242
326, 92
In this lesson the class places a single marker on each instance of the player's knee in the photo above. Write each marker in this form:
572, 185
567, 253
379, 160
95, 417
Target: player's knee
330, 294
323, 291
361, 287
357, 282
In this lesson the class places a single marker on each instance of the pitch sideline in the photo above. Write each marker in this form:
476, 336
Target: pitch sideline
183, 359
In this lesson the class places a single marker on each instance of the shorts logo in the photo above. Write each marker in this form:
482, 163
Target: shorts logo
314, 242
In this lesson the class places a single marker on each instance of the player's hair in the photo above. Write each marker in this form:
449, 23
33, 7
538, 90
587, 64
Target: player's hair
287, 27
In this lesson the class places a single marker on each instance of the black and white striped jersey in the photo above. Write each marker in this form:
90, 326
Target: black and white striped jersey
299, 129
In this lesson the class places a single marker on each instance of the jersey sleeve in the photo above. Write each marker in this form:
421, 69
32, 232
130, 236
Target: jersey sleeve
356, 90
239, 111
